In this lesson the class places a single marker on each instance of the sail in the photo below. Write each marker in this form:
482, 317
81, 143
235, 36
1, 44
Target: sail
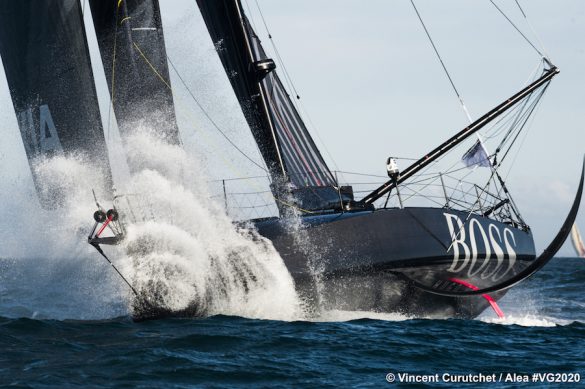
284, 141
303, 162
577, 241
131, 42
46, 60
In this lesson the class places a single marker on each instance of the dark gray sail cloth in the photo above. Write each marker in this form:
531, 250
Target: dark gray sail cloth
46, 60
279, 131
132, 47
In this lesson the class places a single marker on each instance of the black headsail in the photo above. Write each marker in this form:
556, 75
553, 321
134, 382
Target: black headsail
284, 141
132, 47
46, 60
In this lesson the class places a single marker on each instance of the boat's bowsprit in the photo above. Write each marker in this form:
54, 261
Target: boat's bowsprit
109, 220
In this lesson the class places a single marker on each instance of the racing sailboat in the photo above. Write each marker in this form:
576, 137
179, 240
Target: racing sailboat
577, 241
374, 250
418, 260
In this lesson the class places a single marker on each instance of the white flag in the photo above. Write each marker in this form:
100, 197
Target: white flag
477, 155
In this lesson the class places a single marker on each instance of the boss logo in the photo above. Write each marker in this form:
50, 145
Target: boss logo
496, 246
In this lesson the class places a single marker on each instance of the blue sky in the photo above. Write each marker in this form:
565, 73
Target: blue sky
373, 87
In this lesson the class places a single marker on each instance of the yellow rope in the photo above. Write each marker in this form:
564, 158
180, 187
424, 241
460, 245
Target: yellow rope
152, 66
226, 162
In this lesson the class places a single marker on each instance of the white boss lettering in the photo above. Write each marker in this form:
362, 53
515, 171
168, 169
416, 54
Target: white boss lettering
493, 230
474, 251
458, 240
472, 255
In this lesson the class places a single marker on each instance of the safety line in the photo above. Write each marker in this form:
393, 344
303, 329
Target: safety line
517, 29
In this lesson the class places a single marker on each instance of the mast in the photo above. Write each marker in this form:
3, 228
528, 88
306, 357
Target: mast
225, 23
131, 42
46, 59
460, 137
293, 159
268, 67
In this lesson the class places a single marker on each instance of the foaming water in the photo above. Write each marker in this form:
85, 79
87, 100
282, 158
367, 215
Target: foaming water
180, 246
48, 270
183, 249
527, 321
343, 316
186, 251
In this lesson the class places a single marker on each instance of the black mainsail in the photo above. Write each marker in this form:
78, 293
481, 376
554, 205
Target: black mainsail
284, 141
46, 59
131, 42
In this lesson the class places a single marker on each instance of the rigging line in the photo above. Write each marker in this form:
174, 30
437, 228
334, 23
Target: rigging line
507, 117
534, 105
156, 72
458, 161
300, 106
249, 13
500, 125
515, 111
112, 92
288, 79
511, 115
211, 119
161, 78
515, 120
516, 129
528, 116
460, 180
517, 29
99, 249
286, 74
531, 28
520, 146
169, 86
442, 63
522, 117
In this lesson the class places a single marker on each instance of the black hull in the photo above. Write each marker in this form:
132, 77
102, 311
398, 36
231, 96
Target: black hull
431, 262
373, 261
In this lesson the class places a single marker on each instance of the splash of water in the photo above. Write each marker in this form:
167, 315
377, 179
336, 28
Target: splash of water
180, 245
184, 248
184, 251
47, 268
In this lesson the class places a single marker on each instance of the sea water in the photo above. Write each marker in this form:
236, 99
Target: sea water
65, 314
544, 331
